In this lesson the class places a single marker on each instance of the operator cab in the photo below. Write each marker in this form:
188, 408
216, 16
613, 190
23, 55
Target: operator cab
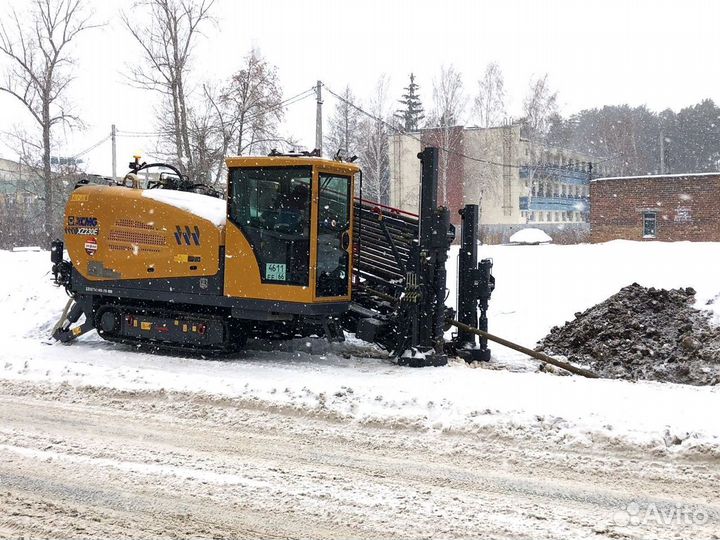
293, 217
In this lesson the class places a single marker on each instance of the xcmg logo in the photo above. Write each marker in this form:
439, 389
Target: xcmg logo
187, 236
81, 221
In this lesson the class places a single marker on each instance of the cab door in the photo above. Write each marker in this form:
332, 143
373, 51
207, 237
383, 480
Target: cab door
268, 246
334, 218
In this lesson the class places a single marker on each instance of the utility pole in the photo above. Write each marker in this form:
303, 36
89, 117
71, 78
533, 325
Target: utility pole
113, 136
662, 152
318, 117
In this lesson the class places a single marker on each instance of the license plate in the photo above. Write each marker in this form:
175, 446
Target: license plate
275, 271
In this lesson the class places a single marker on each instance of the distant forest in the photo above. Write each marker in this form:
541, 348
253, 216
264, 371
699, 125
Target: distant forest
636, 140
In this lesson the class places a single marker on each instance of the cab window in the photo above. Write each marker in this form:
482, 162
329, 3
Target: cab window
333, 231
271, 205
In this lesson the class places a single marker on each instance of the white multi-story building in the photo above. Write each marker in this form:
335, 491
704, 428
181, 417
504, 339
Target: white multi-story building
514, 179
15, 180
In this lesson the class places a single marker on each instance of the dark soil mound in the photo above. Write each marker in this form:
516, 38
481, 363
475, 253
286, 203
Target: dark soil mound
642, 333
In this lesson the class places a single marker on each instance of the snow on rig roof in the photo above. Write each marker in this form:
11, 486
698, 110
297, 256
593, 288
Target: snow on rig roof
204, 206
650, 176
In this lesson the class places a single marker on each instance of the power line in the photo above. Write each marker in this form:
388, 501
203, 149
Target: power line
140, 133
298, 97
443, 148
127, 135
93, 147
403, 132
285, 103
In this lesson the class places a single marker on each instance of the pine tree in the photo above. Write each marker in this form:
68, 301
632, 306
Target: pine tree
411, 114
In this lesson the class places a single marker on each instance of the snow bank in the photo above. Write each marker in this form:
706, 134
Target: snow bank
530, 236
457, 397
536, 289
204, 206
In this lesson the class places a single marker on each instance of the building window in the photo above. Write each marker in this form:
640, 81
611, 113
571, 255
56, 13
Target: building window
649, 224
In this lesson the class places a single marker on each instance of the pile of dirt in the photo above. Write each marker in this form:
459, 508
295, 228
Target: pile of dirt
642, 333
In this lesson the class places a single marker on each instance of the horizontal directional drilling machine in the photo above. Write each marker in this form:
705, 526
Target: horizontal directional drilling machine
288, 252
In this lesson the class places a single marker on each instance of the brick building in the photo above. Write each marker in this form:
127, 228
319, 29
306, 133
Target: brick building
661, 207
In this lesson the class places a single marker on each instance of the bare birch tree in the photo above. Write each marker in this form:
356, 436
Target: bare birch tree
374, 146
539, 106
344, 129
38, 76
253, 105
207, 143
218, 134
449, 104
166, 40
240, 118
490, 100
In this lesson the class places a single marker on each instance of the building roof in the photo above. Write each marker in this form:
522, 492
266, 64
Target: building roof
10, 171
9, 165
699, 176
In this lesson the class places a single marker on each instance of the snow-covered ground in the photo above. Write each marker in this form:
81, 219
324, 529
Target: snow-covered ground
537, 287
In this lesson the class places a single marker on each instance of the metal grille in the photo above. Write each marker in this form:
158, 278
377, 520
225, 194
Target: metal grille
134, 224
134, 237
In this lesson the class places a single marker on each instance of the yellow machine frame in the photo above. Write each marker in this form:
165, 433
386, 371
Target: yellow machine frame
134, 236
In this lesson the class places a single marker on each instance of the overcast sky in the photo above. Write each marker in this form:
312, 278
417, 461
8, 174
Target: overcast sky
658, 53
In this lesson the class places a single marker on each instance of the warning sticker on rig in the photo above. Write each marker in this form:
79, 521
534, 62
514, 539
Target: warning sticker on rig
91, 246
275, 271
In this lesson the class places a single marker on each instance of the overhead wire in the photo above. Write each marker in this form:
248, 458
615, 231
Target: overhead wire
285, 103
411, 135
91, 148
401, 131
